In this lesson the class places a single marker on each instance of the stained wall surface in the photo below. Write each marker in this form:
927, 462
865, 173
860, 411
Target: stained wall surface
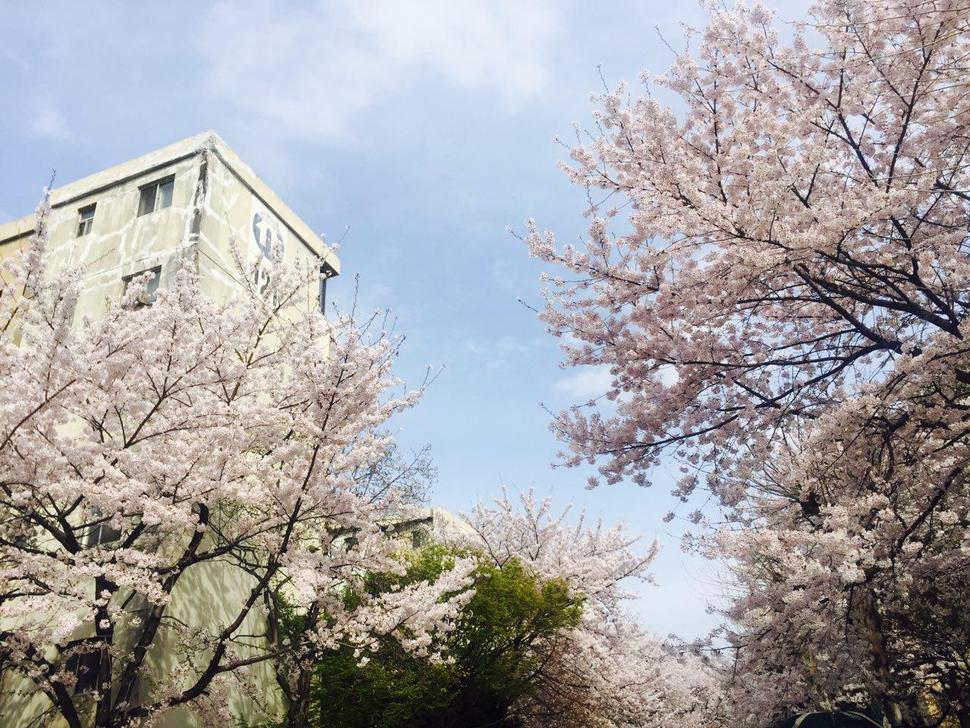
217, 202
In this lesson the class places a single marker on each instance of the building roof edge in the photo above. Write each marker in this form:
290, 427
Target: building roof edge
160, 158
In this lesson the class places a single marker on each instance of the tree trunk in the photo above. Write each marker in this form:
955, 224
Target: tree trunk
104, 631
869, 620
298, 701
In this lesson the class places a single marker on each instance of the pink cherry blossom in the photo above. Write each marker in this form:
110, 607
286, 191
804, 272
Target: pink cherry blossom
788, 237
162, 469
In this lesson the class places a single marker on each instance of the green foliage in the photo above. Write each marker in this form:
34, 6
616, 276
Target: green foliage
290, 621
501, 632
391, 689
424, 564
493, 657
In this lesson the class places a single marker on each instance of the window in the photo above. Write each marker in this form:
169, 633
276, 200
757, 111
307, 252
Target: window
100, 531
100, 534
85, 220
156, 196
147, 297
327, 272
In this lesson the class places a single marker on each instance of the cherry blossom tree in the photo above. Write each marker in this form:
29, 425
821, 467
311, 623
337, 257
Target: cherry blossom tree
541, 639
163, 468
796, 221
853, 592
607, 671
784, 311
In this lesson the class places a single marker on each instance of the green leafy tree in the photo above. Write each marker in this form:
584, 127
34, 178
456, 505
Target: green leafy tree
491, 660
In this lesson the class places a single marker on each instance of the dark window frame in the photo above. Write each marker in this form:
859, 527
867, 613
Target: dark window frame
148, 297
85, 219
156, 195
327, 272
102, 533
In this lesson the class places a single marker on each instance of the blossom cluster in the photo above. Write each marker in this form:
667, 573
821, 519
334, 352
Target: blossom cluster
783, 312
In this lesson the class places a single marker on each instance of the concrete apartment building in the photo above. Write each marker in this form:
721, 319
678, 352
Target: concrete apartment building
189, 202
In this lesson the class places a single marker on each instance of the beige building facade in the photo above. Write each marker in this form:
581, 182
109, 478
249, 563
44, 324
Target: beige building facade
190, 201
193, 202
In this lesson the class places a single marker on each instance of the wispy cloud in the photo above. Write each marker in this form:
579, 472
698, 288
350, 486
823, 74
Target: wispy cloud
590, 382
586, 383
312, 70
49, 123
504, 352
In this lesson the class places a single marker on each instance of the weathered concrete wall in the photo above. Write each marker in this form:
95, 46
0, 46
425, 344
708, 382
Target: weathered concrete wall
208, 596
217, 199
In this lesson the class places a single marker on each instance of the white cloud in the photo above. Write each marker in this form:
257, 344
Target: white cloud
504, 352
587, 383
591, 382
311, 70
667, 374
49, 123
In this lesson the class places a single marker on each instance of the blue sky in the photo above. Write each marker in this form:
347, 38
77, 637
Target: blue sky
423, 130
